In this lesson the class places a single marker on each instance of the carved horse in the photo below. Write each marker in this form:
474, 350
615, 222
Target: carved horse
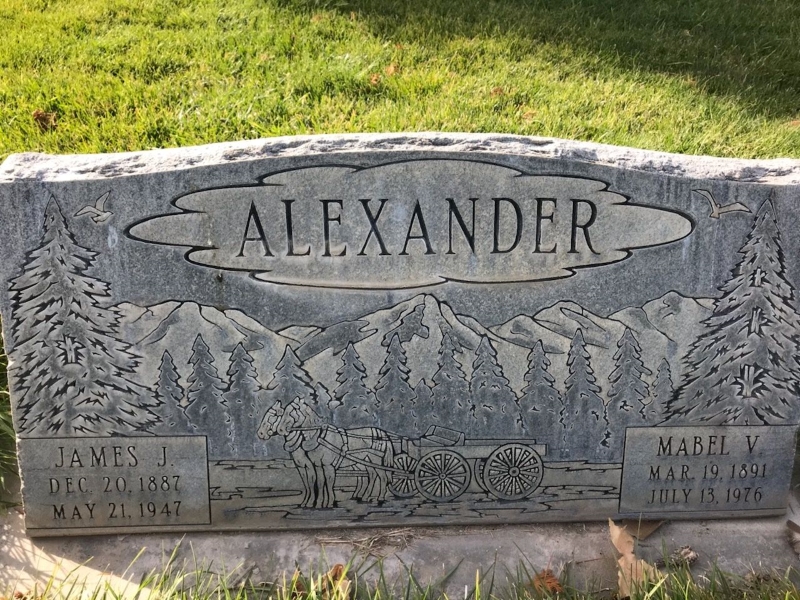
269, 423
305, 467
328, 447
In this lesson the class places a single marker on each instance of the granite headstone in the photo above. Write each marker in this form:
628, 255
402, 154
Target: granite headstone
424, 329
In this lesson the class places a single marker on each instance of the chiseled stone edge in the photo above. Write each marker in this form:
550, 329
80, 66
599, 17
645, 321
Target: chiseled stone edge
46, 167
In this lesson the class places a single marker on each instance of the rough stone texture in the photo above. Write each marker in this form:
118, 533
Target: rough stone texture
399, 330
102, 166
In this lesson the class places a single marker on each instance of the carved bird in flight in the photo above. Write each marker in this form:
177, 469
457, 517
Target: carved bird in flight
717, 209
98, 211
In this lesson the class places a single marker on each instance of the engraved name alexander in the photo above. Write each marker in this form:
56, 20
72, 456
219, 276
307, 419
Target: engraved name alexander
411, 224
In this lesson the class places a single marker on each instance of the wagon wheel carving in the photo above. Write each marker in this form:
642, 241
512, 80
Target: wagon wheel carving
442, 475
512, 472
403, 484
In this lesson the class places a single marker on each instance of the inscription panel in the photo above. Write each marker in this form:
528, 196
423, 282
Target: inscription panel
380, 334
706, 469
103, 482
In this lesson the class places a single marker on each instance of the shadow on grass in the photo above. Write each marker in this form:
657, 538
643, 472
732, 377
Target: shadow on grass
737, 48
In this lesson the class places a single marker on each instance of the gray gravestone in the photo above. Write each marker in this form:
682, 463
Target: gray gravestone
344, 331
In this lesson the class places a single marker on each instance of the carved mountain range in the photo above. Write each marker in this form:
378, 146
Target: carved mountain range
664, 327
173, 326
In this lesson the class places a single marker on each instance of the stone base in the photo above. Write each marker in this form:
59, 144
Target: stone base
582, 550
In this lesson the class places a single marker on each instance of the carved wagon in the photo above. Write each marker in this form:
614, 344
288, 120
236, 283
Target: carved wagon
443, 464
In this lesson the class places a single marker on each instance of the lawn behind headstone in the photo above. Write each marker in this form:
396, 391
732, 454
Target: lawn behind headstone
690, 76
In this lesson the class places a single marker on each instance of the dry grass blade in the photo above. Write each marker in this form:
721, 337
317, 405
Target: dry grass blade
546, 583
682, 557
297, 587
335, 584
45, 120
377, 544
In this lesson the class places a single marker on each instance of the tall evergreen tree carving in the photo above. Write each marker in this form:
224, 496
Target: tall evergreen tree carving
169, 394
662, 393
496, 408
584, 413
395, 395
358, 406
207, 410
242, 400
290, 381
742, 370
451, 404
540, 403
627, 406
71, 373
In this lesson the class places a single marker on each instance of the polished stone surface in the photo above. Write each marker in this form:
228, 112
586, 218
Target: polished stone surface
399, 330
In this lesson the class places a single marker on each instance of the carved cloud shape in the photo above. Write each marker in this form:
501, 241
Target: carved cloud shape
411, 224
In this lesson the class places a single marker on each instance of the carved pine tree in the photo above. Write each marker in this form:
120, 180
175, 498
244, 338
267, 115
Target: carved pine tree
242, 400
496, 408
742, 370
290, 381
358, 406
662, 393
583, 414
207, 410
627, 406
169, 394
395, 395
451, 401
71, 373
540, 403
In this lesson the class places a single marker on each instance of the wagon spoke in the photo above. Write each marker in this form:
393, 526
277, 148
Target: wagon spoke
442, 475
512, 472
403, 484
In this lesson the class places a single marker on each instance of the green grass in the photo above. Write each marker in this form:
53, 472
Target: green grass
693, 76
365, 579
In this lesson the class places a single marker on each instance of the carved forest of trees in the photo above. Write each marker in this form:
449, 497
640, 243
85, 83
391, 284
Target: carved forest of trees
575, 424
74, 375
